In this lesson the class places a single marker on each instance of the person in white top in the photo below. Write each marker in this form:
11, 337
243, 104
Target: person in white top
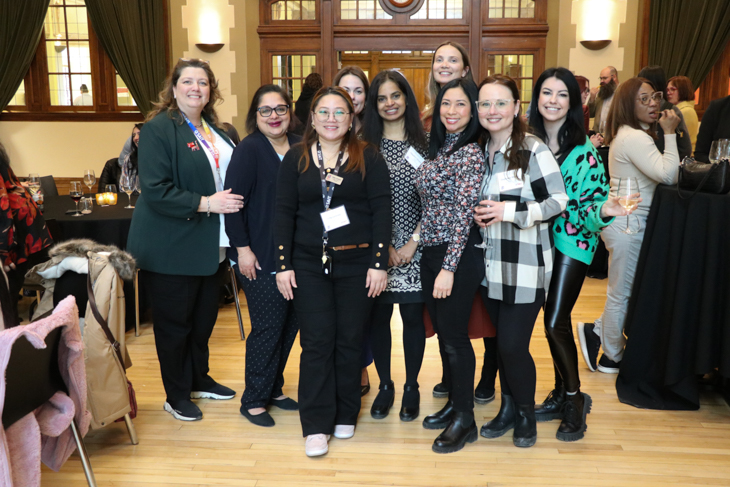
633, 154
85, 98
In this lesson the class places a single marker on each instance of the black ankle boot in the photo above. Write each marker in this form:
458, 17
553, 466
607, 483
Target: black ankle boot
525, 434
461, 430
410, 405
441, 389
552, 407
503, 422
573, 426
383, 401
440, 419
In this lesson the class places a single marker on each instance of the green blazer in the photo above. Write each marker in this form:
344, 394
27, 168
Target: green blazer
168, 235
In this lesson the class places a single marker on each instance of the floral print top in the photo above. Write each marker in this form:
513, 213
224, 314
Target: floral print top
22, 227
449, 190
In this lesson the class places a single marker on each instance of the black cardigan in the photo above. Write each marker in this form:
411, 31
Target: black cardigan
299, 204
715, 125
252, 174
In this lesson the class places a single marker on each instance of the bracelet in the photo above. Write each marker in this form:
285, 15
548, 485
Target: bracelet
207, 199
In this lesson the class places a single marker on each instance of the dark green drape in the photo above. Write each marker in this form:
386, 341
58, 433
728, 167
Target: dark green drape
687, 37
20, 31
132, 32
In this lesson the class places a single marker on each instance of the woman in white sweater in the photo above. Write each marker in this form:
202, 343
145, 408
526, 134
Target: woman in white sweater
633, 154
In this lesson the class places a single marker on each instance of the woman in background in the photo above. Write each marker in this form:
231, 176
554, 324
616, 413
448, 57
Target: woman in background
681, 94
355, 82
252, 174
450, 61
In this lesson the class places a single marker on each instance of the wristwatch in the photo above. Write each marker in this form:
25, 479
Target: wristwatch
416, 237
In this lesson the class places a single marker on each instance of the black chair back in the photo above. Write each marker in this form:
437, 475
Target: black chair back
32, 377
48, 185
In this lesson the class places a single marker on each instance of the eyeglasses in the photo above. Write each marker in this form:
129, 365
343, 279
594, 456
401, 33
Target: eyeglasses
267, 111
483, 106
324, 115
645, 99
190, 60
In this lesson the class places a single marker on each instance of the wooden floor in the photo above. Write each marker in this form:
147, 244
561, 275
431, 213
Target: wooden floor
623, 446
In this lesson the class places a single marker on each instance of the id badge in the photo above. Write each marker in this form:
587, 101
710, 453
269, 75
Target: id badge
335, 218
414, 158
510, 180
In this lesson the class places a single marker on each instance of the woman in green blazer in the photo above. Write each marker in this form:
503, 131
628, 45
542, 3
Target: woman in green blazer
177, 234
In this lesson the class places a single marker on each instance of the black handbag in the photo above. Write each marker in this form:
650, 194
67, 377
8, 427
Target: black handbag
707, 178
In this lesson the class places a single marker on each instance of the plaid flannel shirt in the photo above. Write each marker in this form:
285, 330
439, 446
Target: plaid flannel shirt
519, 250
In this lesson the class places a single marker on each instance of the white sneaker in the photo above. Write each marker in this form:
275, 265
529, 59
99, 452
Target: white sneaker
344, 431
316, 445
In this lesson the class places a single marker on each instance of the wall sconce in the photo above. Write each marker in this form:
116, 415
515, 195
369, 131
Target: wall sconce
595, 45
209, 48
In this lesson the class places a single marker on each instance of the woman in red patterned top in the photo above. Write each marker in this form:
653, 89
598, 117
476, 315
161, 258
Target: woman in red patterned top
452, 267
23, 232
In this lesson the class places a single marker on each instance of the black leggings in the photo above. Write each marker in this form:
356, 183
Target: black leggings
514, 324
414, 340
565, 285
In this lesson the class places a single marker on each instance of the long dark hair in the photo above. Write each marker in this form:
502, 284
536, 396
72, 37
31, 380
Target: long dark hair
515, 156
350, 142
251, 125
133, 154
438, 130
372, 123
657, 77
572, 133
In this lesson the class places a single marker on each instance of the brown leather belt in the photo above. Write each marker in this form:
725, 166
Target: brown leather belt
350, 247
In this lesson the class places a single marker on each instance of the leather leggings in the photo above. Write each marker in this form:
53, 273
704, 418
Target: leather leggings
565, 285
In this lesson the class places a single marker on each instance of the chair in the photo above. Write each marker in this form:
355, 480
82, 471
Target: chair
32, 378
234, 285
48, 185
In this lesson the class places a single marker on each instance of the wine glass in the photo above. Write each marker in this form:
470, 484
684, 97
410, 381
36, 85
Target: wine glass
628, 197
34, 183
715, 149
87, 205
138, 184
76, 193
724, 151
126, 182
487, 243
89, 178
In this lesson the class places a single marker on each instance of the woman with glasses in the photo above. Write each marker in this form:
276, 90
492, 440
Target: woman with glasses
633, 154
521, 193
392, 123
252, 174
451, 265
331, 233
556, 117
681, 94
178, 232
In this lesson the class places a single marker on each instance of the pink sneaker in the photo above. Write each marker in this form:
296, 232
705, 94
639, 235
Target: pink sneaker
316, 445
344, 431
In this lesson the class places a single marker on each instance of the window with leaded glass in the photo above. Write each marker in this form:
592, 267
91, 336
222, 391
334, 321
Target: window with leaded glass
289, 71
518, 67
511, 9
293, 10
362, 10
440, 9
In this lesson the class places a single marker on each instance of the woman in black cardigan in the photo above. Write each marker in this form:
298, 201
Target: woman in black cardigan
252, 174
333, 275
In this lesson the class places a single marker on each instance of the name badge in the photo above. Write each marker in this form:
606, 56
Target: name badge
510, 180
414, 158
335, 218
333, 178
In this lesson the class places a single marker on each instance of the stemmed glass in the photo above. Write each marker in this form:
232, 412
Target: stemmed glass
89, 178
487, 243
76, 193
628, 197
138, 185
127, 183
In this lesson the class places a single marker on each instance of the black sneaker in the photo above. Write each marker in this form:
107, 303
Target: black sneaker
590, 343
184, 410
217, 391
608, 366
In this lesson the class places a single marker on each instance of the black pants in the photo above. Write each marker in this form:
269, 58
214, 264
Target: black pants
414, 339
184, 311
514, 324
450, 316
332, 312
565, 285
274, 327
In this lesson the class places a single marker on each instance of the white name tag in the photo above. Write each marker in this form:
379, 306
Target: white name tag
510, 180
335, 218
414, 158
332, 178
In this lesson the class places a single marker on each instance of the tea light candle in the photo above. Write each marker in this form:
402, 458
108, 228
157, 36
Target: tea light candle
100, 199
112, 198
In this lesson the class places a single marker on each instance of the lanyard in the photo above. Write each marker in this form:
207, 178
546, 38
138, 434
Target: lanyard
328, 188
211, 148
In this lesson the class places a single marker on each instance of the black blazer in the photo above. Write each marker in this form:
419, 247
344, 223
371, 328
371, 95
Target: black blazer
715, 125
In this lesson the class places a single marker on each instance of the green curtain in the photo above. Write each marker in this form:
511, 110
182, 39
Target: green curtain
132, 32
687, 37
21, 23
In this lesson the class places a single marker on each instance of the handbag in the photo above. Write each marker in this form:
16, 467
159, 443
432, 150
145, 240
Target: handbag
707, 178
115, 346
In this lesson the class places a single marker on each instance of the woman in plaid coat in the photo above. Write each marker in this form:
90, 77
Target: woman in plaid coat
522, 192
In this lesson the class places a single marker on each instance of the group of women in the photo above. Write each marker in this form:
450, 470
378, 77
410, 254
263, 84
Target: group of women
365, 211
